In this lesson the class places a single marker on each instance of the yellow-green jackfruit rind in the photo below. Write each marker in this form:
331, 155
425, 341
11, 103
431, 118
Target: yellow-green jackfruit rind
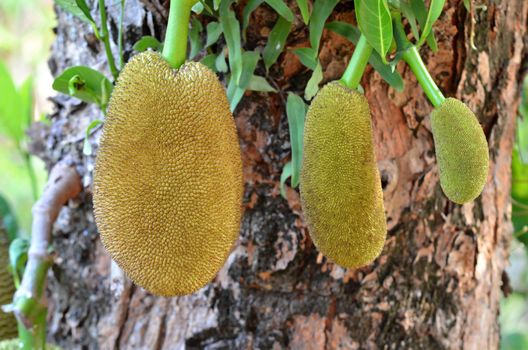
341, 192
461, 151
168, 177
8, 325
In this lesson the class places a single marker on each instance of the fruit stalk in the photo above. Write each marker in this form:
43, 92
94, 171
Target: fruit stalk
415, 62
29, 302
175, 45
358, 62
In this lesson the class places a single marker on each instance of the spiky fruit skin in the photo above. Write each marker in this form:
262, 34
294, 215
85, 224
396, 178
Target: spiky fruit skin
8, 325
461, 151
341, 192
168, 176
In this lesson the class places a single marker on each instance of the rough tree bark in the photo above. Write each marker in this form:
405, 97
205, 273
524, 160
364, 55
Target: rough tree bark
438, 282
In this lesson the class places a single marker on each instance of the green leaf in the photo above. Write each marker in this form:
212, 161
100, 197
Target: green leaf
86, 84
214, 30
221, 64
392, 77
147, 42
435, 10
194, 37
236, 91
209, 61
296, 112
248, 9
281, 8
258, 83
276, 41
305, 11
85, 9
308, 56
286, 173
232, 36
14, 113
312, 87
18, 254
419, 11
8, 218
72, 7
87, 146
321, 11
375, 22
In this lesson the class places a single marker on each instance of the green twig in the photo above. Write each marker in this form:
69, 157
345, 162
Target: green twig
358, 62
415, 62
105, 37
175, 45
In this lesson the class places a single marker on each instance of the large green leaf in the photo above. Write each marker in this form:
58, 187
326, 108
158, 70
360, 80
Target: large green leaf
214, 30
84, 83
305, 11
374, 20
15, 106
296, 112
232, 36
72, 7
321, 11
276, 41
281, 8
435, 10
392, 77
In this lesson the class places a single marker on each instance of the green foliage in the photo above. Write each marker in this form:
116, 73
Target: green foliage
375, 22
296, 112
392, 77
86, 84
147, 42
8, 219
18, 256
276, 41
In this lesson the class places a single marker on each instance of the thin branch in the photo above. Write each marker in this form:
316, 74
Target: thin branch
63, 184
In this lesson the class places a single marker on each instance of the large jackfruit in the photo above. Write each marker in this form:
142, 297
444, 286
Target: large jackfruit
341, 192
461, 151
168, 176
14, 344
8, 325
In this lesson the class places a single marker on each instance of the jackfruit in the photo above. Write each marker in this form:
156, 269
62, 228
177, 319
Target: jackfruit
341, 192
8, 325
461, 151
168, 177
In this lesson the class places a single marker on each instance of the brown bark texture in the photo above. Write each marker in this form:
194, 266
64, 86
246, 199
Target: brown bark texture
438, 281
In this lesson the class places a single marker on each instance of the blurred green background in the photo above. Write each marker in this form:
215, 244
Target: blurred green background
25, 38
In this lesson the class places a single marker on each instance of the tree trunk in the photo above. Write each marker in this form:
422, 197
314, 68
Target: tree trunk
436, 285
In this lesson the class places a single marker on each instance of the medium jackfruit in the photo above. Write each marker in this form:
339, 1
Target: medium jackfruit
341, 192
8, 325
461, 151
168, 177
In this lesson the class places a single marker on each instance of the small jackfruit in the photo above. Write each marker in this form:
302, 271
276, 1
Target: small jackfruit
8, 325
168, 177
341, 192
461, 151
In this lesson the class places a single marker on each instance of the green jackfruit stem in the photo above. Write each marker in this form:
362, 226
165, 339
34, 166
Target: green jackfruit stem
175, 45
415, 62
358, 62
